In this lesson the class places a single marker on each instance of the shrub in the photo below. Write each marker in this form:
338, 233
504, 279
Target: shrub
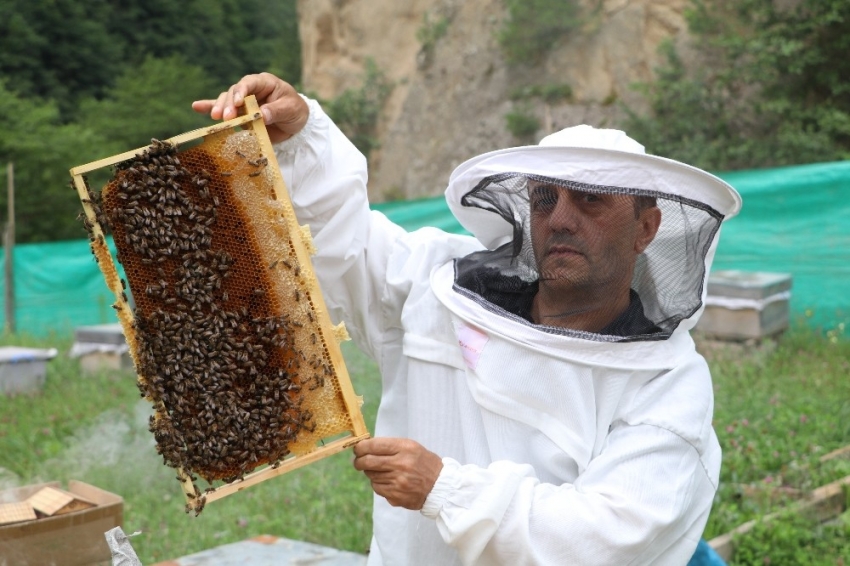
431, 31
770, 88
549, 93
356, 111
533, 27
522, 123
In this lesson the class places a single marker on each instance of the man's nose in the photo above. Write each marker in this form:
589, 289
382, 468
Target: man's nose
565, 215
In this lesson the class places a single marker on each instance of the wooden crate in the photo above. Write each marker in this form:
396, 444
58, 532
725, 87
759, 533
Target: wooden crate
74, 538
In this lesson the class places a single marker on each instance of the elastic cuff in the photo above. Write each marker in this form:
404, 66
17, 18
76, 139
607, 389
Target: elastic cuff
299, 140
447, 482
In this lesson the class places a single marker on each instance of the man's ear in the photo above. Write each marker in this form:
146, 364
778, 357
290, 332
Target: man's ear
648, 223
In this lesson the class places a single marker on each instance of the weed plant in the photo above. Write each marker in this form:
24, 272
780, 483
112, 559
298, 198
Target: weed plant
431, 31
550, 93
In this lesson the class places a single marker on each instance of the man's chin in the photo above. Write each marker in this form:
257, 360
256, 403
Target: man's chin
561, 280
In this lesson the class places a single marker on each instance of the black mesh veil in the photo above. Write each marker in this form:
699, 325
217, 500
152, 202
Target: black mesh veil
610, 269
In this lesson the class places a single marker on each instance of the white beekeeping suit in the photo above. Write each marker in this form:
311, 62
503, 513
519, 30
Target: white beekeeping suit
559, 445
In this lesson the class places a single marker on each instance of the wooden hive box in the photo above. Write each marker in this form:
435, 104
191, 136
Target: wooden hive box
73, 538
230, 336
23, 370
745, 305
101, 347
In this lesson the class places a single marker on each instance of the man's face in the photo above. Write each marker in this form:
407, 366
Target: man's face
587, 242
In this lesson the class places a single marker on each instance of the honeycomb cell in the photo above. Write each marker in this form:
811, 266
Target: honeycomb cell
226, 336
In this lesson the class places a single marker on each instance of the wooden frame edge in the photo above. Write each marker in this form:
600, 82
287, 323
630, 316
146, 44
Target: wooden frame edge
269, 472
177, 140
350, 398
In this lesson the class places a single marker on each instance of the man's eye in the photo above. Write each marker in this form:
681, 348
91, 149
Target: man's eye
590, 197
544, 200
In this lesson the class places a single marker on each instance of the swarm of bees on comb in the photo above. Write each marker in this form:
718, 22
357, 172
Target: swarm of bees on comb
228, 332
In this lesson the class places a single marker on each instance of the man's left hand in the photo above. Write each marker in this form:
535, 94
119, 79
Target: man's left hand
401, 470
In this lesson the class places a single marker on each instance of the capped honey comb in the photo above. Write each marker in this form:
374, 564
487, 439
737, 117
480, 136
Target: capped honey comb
227, 326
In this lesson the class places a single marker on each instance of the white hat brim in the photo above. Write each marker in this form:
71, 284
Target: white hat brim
594, 166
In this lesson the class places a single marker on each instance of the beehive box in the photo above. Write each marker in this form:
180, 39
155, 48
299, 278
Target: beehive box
23, 370
746, 305
70, 539
229, 336
101, 347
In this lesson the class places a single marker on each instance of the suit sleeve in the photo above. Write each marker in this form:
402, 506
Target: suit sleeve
363, 260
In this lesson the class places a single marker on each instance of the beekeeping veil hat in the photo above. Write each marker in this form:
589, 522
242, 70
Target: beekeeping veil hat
582, 181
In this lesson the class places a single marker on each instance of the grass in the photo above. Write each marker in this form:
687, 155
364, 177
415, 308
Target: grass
797, 540
779, 407
94, 428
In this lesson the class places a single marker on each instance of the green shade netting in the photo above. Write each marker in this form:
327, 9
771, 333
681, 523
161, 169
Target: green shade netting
795, 220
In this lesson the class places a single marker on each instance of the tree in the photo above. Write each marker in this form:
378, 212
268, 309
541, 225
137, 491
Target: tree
771, 87
152, 101
59, 50
43, 150
228, 38
85, 80
67, 51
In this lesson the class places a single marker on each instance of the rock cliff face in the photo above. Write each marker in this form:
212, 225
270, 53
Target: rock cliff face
449, 102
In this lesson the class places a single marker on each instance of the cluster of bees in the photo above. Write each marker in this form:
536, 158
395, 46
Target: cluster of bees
221, 371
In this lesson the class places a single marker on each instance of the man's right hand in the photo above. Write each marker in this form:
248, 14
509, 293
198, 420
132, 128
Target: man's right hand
284, 111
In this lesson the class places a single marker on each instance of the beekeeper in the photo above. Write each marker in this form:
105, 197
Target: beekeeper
542, 400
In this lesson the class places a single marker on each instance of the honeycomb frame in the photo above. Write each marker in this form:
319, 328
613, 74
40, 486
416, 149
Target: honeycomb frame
235, 170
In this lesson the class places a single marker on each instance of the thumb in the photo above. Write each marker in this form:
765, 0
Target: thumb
286, 116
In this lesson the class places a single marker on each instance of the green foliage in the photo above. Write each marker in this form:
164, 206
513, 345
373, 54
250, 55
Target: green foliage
356, 111
228, 38
58, 50
67, 50
166, 87
94, 428
550, 93
431, 31
794, 539
533, 27
778, 409
42, 150
84, 80
521, 122
771, 88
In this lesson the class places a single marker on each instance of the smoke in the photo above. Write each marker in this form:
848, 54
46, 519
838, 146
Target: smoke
8, 480
116, 445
